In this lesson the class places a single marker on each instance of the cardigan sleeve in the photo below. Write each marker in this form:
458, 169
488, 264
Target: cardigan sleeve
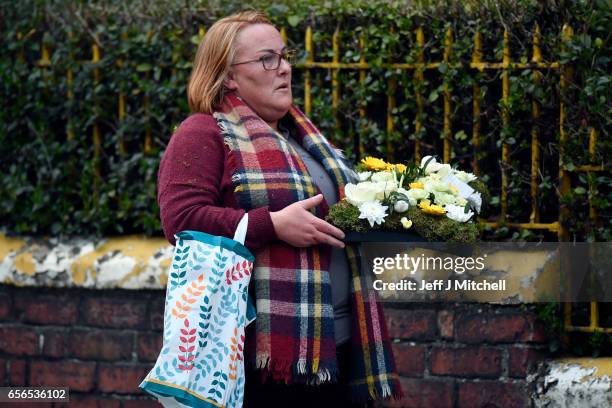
189, 187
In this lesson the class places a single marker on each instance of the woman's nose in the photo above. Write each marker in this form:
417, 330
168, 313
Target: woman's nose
284, 67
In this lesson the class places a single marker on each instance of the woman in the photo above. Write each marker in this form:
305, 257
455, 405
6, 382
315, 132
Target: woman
319, 335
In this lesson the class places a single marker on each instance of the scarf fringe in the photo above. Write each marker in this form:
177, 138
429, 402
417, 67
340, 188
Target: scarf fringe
228, 140
297, 372
262, 362
361, 394
301, 366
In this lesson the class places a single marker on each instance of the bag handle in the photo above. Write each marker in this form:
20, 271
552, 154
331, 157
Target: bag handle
241, 229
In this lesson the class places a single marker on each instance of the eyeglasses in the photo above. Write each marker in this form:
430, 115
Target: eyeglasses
272, 60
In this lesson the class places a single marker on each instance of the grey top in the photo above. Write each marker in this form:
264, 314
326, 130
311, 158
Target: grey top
339, 268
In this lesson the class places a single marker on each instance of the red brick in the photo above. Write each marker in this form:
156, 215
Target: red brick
115, 312
424, 393
141, 404
122, 379
53, 343
19, 341
472, 362
149, 346
5, 306
78, 376
504, 328
89, 402
410, 360
446, 323
156, 312
3, 375
523, 361
539, 334
47, 309
411, 324
492, 394
17, 373
91, 344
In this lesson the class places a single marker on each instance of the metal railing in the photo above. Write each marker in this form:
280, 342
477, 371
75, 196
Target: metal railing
418, 69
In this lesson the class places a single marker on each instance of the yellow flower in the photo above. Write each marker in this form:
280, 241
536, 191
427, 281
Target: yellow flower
454, 189
424, 203
400, 168
373, 163
417, 184
406, 223
432, 209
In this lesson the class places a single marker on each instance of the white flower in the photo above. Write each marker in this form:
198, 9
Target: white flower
373, 211
434, 185
406, 223
454, 212
444, 170
400, 206
383, 176
475, 200
460, 201
364, 175
441, 198
384, 189
434, 167
416, 194
357, 194
404, 192
465, 176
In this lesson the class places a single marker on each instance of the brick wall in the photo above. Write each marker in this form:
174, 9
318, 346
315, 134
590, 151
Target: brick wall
98, 343
465, 355
101, 344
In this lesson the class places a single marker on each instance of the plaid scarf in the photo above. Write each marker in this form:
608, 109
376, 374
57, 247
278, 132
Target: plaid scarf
294, 333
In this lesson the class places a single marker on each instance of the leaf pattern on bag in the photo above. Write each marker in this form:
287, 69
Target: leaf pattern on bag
204, 320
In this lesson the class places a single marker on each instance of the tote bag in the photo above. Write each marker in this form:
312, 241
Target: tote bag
207, 308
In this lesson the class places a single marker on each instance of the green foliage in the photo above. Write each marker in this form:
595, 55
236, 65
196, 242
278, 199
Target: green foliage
550, 314
55, 185
598, 341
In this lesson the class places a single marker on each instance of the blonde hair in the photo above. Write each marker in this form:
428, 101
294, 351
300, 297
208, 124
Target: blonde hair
213, 60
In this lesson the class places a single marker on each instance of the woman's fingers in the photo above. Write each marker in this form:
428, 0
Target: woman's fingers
299, 227
311, 202
320, 224
327, 228
323, 238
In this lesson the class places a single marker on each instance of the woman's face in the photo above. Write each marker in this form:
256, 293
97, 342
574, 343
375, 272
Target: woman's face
268, 93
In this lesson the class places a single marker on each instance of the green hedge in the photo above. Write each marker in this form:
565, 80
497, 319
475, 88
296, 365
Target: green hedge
50, 184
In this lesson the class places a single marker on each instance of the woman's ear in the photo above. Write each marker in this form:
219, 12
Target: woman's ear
229, 82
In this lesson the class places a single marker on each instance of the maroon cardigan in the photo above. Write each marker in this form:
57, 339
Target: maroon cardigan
194, 186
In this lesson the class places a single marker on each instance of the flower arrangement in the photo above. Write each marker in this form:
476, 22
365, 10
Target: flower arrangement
434, 200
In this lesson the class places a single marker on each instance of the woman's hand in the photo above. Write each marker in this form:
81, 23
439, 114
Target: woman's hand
297, 226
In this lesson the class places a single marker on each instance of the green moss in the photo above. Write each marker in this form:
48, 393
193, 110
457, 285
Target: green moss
430, 227
441, 228
346, 217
